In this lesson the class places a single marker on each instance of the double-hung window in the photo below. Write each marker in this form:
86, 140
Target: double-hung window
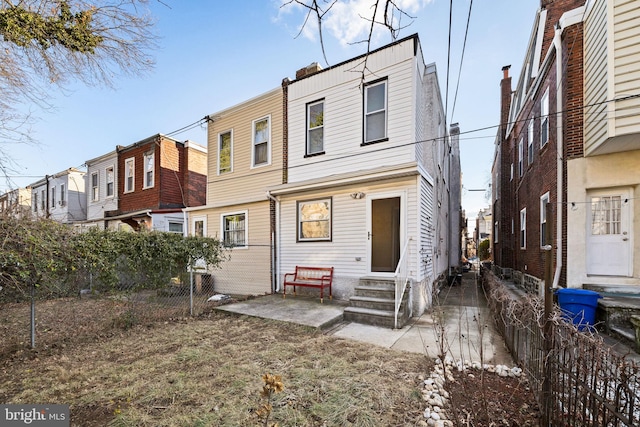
43, 202
520, 158
129, 174
314, 220
523, 228
225, 152
261, 142
63, 195
95, 190
375, 112
234, 229
53, 197
544, 119
35, 201
530, 142
149, 167
110, 181
315, 128
543, 218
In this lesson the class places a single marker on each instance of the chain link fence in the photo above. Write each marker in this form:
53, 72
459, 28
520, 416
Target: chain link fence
80, 310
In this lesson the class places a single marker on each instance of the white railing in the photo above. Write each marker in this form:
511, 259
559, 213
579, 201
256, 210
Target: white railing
401, 278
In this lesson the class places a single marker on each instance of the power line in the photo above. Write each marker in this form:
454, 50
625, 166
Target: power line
464, 45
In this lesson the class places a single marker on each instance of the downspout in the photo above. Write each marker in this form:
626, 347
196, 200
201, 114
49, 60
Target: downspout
275, 258
557, 41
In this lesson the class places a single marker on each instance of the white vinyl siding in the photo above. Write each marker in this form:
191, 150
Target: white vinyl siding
105, 168
344, 113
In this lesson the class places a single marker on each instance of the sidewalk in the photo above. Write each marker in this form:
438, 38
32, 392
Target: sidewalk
459, 323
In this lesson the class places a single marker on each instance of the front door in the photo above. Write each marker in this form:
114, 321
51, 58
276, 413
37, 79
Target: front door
609, 234
384, 234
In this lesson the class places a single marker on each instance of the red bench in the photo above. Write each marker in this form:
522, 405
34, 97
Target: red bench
310, 277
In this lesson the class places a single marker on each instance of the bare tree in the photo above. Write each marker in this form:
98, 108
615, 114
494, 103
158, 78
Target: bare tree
55, 42
385, 14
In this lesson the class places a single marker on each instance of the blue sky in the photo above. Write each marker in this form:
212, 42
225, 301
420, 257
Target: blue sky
215, 54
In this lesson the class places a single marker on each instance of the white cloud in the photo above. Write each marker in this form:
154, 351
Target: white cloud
349, 21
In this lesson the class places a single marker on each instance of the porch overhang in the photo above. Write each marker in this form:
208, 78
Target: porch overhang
339, 180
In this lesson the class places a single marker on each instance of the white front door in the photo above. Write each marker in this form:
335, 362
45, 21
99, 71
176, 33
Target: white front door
384, 233
609, 233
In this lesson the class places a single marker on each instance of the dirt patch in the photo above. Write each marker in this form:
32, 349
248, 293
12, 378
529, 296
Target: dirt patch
487, 399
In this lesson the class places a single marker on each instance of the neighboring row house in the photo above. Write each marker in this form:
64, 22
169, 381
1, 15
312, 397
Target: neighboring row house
343, 169
60, 197
16, 203
568, 150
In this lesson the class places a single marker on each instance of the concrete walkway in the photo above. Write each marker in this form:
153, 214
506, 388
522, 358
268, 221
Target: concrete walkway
459, 324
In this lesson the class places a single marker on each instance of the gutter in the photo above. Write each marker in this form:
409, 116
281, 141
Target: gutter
275, 256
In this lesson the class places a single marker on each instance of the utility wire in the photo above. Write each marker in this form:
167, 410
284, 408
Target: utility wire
464, 45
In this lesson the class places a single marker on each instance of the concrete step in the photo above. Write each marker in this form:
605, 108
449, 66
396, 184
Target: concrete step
615, 312
375, 292
374, 303
367, 316
616, 291
377, 282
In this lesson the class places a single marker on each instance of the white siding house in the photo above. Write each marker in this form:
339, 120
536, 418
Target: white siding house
365, 155
102, 188
60, 197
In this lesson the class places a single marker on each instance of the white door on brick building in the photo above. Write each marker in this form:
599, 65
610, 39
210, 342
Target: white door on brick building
609, 233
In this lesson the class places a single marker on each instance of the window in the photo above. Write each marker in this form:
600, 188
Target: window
495, 232
148, 170
53, 197
43, 202
375, 112
523, 228
543, 218
35, 201
530, 142
95, 194
261, 138
544, 119
224, 152
605, 215
129, 177
63, 195
234, 229
511, 172
110, 181
175, 227
315, 128
520, 158
198, 227
314, 220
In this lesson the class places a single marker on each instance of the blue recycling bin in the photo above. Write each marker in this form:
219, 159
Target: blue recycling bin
579, 306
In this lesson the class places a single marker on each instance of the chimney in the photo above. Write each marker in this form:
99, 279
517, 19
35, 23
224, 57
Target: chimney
312, 68
505, 100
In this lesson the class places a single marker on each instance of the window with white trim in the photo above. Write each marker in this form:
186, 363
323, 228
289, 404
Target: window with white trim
234, 229
63, 195
261, 142
175, 227
375, 112
530, 142
199, 226
43, 202
314, 220
543, 218
53, 197
225, 152
520, 158
95, 190
129, 175
523, 228
110, 181
149, 168
544, 119
315, 128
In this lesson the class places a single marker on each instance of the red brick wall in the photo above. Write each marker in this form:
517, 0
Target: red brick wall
171, 179
139, 198
196, 177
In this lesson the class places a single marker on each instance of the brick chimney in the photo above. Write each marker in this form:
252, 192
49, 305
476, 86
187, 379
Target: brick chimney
312, 68
505, 100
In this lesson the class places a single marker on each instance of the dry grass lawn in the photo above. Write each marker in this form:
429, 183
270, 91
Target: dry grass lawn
208, 372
